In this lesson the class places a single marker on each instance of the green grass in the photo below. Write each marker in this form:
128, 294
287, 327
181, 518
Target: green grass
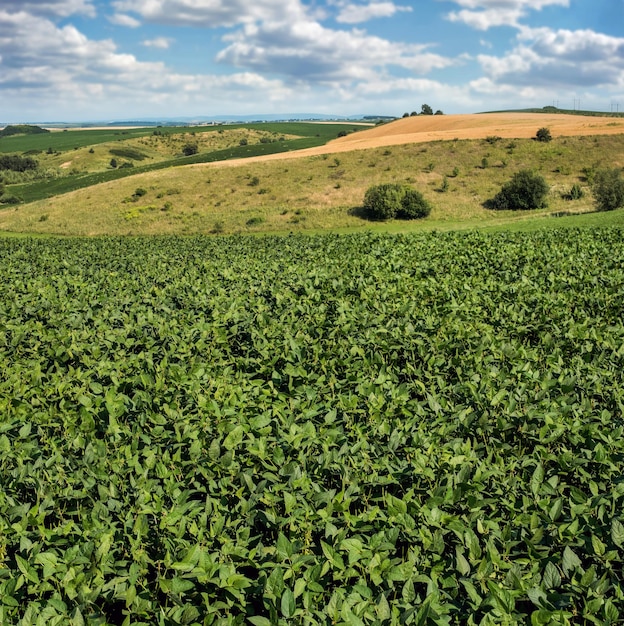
322, 192
309, 135
71, 139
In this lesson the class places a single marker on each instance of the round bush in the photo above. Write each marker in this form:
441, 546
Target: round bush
413, 205
543, 135
383, 202
608, 189
526, 190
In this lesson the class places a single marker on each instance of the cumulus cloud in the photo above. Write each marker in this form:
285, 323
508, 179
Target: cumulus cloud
211, 14
559, 59
44, 65
60, 8
124, 20
307, 51
161, 43
357, 13
485, 14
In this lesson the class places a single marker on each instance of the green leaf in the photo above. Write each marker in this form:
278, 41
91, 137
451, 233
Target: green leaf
551, 578
599, 547
332, 556
617, 533
29, 572
288, 603
570, 561
258, 620
382, 608
537, 479
234, 438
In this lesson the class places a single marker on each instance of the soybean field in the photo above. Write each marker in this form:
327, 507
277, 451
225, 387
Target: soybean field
350, 430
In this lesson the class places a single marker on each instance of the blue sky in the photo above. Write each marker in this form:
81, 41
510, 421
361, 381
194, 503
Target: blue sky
79, 60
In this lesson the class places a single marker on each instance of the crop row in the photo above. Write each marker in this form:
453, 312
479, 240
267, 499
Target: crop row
348, 430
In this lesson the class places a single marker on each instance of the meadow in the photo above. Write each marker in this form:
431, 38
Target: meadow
353, 430
323, 192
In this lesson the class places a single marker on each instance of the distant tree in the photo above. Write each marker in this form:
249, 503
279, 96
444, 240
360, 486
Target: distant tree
543, 135
406, 114
425, 109
608, 189
413, 114
439, 112
190, 149
16, 163
526, 190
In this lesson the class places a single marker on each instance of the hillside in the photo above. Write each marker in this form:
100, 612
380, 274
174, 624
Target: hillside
322, 187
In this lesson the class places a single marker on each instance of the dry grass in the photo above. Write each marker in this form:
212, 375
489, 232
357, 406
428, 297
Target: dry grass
323, 191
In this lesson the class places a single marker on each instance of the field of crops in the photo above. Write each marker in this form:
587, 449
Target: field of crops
356, 430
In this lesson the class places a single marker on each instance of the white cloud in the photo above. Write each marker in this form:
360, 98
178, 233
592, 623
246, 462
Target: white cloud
211, 13
307, 51
161, 43
559, 59
122, 19
357, 13
60, 8
46, 68
485, 14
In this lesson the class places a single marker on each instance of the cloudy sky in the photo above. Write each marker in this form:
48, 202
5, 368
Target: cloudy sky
78, 60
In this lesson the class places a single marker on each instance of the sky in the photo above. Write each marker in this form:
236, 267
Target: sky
87, 60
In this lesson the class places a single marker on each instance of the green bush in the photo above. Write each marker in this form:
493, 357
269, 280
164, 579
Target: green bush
543, 135
393, 200
608, 189
413, 205
383, 202
10, 199
190, 149
526, 190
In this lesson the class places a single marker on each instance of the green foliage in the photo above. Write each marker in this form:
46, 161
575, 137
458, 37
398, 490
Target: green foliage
22, 129
393, 200
128, 153
243, 142
608, 189
576, 192
383, 202
352, 430
526, 190
543, 135
10, 199
413, 205
16, 163
425, 109
190, 149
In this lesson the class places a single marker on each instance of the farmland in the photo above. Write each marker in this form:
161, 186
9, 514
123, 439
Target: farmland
363, 429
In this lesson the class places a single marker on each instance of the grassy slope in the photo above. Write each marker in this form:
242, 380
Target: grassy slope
81, 158
323, 192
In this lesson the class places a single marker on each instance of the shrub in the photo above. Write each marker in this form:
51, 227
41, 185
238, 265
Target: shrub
543, 135
128, 153
255, 221
383, 202
243, 142
10, 199
189, 149
413, 205
526, 190
16, 163
575, 193
390, 200
608, 189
